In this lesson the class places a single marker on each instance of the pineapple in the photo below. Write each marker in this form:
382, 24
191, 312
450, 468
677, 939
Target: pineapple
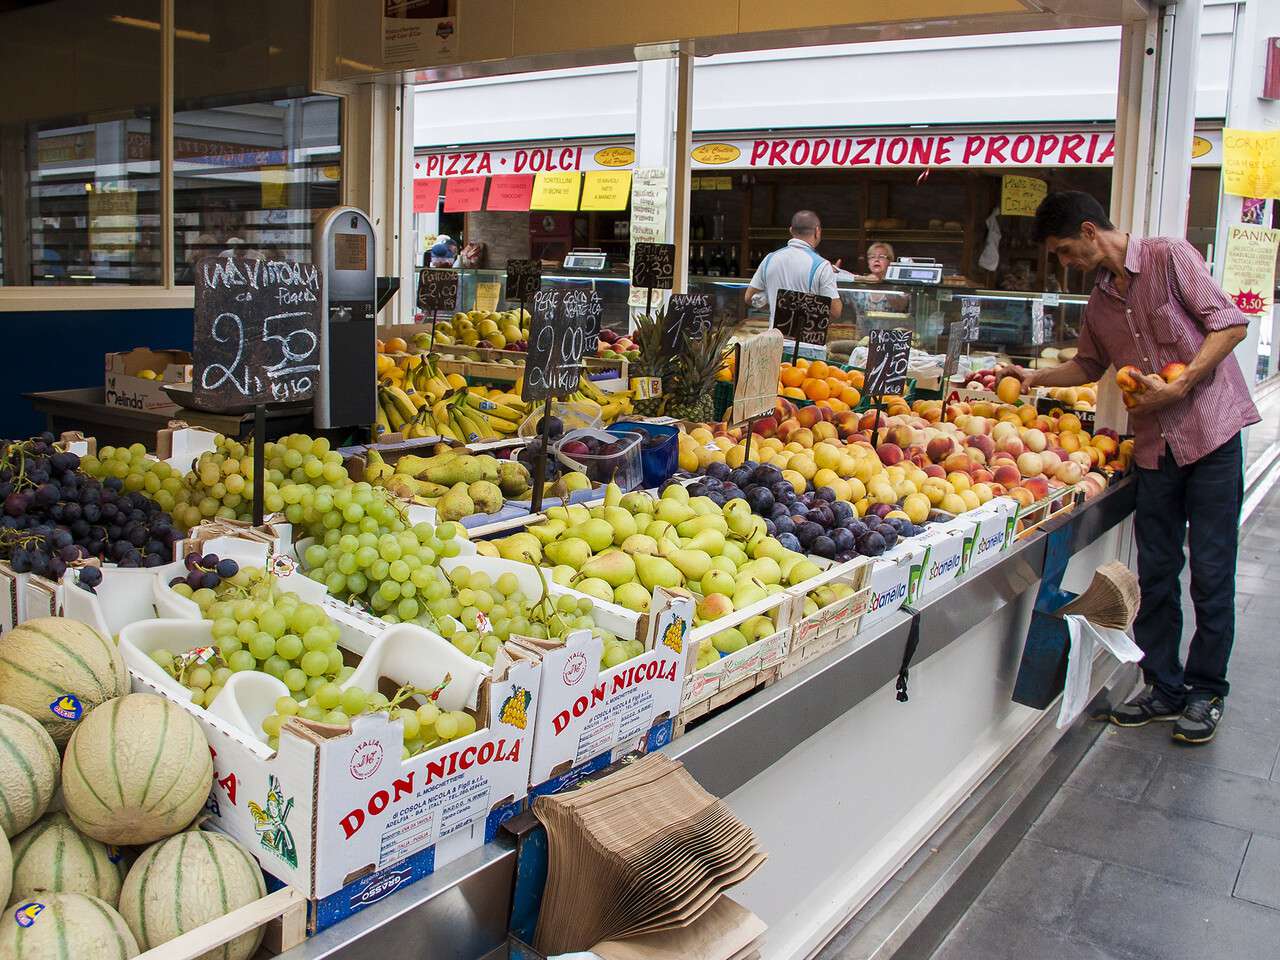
647, 336
691, 395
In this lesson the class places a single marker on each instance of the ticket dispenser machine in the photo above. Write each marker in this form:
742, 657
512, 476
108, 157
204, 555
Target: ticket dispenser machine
343, 247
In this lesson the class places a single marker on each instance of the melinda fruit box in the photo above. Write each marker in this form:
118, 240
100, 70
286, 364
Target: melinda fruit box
124, 385
988, 530
587, 715
336, 812
894, 579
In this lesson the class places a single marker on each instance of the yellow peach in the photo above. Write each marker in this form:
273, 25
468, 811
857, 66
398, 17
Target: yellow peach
953, 503
971, 500
959, 481
797, 480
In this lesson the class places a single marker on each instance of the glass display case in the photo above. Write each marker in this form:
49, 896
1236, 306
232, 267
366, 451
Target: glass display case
1006, 319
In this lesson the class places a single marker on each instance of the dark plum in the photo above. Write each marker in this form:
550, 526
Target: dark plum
799, 508
784, 524
825, 493
740, 476
807, 532
718, 470
889, 534
770, 528
821, 515
783, 491
843, 511
779, 510
843, 539
856, 527
871, 544
823, 547
790, 541
761, 500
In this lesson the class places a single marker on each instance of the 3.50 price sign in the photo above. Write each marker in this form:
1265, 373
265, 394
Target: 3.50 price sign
565, 322
257, 332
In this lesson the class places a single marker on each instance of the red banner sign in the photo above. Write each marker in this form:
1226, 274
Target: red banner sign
464, 194
426, 195
511, 192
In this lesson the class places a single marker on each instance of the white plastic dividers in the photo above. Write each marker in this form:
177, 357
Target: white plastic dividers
125, 595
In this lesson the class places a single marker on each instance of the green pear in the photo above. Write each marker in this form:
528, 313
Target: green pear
657, 572
735, 553
613, 567
723, 563
749, 591
638, 502
788, 562
714, 606
574, 481
692, 563
642, 521
676, 491
597, 512
765, 569
717, 581
577, 514
729, 641
810, 606
640, 543
708, 541
595, 587
673, 511
757, 628
769, 547
571, 552
736, 506
522, 546
597, 532
624, 525
659, 530
562, 573
612, 495
632, 596
802, 571
557, 513
706, 521
549, 531
740, 523
704, 505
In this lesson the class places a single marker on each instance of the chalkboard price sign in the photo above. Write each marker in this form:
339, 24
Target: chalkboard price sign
654, 266
955, 341
257, 332
524, 277
688, 314
802, 317
438, 290
887, 354
565, 322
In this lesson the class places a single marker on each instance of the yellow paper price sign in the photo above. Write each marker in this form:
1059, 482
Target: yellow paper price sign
556, 191
1251, 163
487, 296
606, 190
1019, 196
646, 388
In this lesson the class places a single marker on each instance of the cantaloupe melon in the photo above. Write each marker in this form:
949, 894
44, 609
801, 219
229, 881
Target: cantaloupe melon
28, 770
64, 925
57, 670
137, 769
51, 856
6, 868
188, 880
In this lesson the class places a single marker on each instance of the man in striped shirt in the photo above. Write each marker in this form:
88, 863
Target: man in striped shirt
1154, 304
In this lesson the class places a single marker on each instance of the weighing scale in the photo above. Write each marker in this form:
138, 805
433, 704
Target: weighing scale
919, 270
587, 258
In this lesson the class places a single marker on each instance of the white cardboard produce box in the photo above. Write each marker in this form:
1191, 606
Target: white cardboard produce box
990, 530
943, 560
894, 579
586, 715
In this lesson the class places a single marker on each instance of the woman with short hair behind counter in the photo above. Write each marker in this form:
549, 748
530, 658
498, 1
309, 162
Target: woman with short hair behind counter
879, 256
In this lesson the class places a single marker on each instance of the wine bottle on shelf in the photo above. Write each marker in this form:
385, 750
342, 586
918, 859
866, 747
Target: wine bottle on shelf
699, 228
697, 266
715, 268
731, 270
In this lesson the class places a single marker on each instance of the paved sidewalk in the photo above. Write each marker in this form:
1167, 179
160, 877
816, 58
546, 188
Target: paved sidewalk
1154, 850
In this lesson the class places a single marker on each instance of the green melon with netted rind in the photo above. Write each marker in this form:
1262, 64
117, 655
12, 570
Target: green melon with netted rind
57, 670
52, 856
188, 880
29, 764
64, 925
136, 770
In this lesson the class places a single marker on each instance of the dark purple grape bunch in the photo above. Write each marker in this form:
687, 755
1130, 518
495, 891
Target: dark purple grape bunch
206, 571
90, 578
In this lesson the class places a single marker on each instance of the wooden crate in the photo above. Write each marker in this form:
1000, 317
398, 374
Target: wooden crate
1035, 516
283, 914
722, 698
836, 623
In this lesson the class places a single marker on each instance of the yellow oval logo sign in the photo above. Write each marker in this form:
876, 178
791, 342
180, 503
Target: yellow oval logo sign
1200, 146
615, 156
716, 153
332, 172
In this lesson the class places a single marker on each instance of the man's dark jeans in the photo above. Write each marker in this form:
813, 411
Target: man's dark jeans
1204, 497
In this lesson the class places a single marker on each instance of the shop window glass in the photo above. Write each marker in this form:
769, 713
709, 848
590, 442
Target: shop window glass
79, 167
255, 158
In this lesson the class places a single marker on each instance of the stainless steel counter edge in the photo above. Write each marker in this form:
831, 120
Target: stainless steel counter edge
461, 910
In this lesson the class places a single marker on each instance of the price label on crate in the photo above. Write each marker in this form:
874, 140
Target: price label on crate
688, 314
955, 341
564, 323
438, 290
524, 277
887, 354
654, 266
1039, 323
257, 332
970, 309
802, 316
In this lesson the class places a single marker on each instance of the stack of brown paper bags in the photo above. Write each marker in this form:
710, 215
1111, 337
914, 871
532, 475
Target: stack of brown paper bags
1111, 599
644, 852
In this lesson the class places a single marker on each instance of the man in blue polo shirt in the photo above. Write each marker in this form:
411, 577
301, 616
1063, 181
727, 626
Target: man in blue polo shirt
797, 266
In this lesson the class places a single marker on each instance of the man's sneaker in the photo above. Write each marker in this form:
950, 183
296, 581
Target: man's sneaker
1199, 722
1145, 708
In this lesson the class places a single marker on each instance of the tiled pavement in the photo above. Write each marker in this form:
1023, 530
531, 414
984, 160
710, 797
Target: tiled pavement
1153, 850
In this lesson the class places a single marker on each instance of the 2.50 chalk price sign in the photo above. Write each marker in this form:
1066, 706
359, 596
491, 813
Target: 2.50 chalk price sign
257, 332
565, 322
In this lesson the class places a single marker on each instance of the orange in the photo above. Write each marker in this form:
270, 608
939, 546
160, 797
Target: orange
850, 396
837, 374
802, 363
856, 378
816, 389
836, 404
819, 370
793, 393
836, 385
791, 376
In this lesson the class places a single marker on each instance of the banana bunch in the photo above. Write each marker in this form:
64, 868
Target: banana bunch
409, 404
611, 405
479, 418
